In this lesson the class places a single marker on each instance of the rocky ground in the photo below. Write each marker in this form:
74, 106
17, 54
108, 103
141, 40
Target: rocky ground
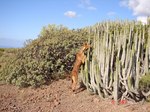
57, 97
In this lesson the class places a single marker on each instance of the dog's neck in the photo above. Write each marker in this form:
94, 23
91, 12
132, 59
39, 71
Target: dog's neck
82, 49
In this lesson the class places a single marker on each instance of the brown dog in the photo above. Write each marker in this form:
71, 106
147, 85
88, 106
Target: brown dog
80, 59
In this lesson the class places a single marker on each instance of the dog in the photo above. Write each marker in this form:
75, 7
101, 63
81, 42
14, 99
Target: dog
80, 59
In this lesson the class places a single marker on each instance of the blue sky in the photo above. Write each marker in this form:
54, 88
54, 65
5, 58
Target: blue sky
23, 19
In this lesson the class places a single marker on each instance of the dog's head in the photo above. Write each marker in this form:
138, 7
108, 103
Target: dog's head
86, 46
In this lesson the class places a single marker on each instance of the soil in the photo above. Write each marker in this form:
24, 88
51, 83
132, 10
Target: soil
57, 97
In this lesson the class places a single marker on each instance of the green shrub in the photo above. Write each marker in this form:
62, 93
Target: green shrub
44, 59
1, 51
145, 82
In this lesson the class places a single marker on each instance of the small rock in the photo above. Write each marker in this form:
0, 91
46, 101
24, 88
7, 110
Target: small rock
56, 102
81, 106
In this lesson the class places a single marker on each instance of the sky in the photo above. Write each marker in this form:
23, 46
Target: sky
21, 20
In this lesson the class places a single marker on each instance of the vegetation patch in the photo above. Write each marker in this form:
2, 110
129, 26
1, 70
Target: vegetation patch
44, 59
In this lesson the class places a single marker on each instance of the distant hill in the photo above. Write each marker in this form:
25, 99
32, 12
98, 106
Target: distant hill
1, 46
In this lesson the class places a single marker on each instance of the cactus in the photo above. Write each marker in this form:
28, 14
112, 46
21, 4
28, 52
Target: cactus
120, 57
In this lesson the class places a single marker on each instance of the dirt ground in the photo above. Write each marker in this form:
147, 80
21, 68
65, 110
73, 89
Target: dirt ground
57, 97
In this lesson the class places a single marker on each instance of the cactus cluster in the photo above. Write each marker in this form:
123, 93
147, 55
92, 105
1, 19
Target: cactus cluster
119, 57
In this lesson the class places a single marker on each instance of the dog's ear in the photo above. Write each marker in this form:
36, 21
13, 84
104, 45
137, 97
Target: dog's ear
85, 44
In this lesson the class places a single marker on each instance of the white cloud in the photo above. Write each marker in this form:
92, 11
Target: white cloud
87, 5
70, 14
143, 19
140, 8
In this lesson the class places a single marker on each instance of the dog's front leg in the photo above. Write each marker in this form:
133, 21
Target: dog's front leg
83, 59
